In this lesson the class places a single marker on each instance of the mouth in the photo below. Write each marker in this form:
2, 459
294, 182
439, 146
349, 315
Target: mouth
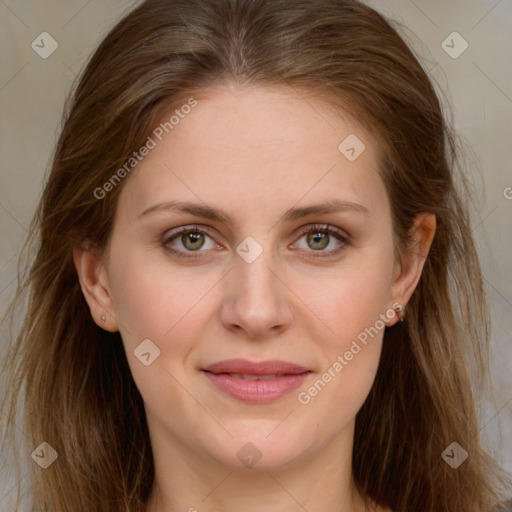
256, 382
249, 376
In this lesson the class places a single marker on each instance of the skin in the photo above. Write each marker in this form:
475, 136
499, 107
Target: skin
254, 153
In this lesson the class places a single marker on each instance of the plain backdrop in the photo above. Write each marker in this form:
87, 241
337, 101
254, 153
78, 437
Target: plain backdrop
476, 85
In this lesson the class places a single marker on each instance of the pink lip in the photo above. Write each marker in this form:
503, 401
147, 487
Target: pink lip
288, 376
270, 367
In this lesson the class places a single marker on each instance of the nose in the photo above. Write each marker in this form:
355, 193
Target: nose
256, 303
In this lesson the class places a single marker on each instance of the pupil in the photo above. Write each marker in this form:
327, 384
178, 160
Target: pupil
190, 240
319, 238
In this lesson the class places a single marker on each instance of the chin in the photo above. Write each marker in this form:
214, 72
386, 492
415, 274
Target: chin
260, 449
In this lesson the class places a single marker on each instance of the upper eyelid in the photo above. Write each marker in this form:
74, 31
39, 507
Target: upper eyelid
172, 233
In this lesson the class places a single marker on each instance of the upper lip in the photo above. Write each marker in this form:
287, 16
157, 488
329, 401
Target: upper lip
270, 367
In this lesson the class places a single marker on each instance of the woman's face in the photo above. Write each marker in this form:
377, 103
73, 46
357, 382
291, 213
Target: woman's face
249, 171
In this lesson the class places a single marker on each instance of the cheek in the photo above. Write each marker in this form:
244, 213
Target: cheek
350, 299
351, 353
166, 306
353, 306
152, 300
150, 295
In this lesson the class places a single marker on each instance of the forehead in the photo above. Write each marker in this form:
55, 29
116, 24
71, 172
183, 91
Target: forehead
259, 148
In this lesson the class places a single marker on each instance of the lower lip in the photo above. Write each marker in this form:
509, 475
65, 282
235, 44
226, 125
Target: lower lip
256, 391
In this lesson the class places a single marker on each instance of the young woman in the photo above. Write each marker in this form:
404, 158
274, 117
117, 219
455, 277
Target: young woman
255, 285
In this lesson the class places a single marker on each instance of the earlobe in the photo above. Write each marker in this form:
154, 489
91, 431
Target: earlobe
413, 258
93, 279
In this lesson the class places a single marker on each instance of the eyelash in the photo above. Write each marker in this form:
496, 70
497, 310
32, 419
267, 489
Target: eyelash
313, 229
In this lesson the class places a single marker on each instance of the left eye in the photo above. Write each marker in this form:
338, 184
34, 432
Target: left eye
320, 237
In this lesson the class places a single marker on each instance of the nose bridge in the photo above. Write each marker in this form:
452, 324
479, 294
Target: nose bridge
255, 300
252, 273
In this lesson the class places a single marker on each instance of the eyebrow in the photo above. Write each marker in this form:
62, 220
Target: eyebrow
215, 214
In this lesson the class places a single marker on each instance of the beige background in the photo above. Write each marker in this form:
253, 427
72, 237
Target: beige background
478, 84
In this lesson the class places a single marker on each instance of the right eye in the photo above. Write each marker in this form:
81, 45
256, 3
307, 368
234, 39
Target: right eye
188, 239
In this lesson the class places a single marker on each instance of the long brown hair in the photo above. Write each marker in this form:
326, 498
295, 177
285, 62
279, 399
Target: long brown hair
74, 379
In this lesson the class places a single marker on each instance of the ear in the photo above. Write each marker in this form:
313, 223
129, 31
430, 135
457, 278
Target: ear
93, 279
408, 270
